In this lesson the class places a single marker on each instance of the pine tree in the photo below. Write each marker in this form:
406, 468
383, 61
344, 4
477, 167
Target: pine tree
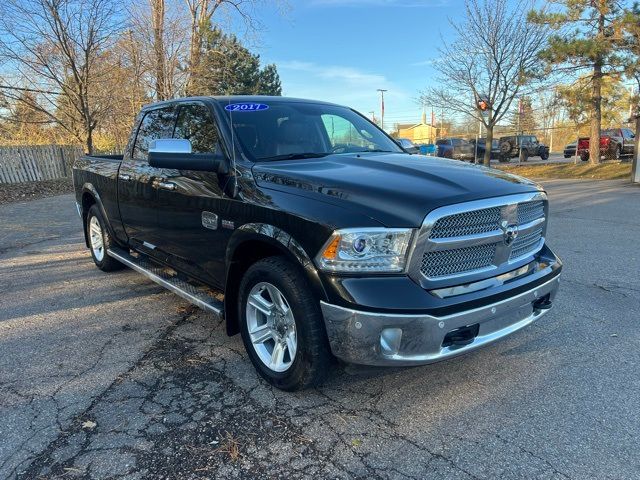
589, 39
226, 67
270, 83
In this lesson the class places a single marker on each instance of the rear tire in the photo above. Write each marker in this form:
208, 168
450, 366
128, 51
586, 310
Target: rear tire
544, 155
279, 314
100, 241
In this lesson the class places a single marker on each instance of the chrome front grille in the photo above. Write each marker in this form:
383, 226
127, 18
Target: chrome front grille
474, 237
467, 223
525, 244
450, 262
530, 211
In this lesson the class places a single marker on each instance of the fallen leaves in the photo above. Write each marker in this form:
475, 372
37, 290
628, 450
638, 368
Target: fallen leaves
89, 425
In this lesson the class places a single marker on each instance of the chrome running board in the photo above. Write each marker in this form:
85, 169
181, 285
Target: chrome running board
199, 296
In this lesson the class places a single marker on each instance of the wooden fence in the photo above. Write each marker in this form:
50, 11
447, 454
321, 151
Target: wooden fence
34, 163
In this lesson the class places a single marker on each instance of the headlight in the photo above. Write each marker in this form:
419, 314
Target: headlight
356, 250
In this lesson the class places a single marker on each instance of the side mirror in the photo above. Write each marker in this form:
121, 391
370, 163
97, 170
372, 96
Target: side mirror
177, 154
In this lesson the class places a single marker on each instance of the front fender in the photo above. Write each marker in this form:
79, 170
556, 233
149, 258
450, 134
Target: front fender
278, 241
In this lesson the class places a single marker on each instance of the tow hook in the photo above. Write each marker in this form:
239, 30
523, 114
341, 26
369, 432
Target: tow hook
543, 303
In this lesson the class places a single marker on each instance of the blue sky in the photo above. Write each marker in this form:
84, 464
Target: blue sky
343, 50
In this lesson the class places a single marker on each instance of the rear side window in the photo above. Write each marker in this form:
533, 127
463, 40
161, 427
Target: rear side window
441, 142
155, 124
196, 124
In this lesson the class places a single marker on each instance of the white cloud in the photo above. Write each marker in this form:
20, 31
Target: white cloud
340, 84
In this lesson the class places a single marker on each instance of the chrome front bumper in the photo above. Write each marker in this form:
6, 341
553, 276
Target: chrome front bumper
370, 338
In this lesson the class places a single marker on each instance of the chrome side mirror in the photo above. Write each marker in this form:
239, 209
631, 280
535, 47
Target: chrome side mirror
170, 145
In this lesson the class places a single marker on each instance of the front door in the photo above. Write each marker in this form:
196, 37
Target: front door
137, 192
191, 204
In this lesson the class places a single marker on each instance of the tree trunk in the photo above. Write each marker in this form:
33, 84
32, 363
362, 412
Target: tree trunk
487, 146
89, 142
157, 19
596, 99
635, 170
489, 140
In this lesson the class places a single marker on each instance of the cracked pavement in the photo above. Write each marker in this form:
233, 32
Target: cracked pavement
110, 376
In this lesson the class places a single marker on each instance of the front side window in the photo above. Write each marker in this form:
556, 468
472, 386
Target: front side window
284, 129
196, 124
155, 124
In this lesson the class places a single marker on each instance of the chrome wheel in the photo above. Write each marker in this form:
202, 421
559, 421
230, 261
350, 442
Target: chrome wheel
96, 239
271, 327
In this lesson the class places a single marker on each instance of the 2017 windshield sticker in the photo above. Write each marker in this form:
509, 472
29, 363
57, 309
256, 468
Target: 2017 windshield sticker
246, 107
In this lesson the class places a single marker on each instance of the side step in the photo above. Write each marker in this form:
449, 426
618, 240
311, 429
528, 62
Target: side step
198, 296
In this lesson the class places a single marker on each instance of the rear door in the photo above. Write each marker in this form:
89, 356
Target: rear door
137, 195
191, 209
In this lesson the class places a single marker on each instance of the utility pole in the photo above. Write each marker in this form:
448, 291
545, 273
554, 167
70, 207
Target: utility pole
373, 116
381, 90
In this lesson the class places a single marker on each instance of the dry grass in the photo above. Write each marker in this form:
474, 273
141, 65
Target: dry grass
602, 171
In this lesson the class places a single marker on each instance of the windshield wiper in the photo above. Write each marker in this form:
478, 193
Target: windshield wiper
296, 156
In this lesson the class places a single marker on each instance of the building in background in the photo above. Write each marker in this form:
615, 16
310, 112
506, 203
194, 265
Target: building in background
419, 132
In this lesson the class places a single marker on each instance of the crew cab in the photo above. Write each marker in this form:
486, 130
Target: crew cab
315, 236
614, 144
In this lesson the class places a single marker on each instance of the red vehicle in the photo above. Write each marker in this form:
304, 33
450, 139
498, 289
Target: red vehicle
614, 143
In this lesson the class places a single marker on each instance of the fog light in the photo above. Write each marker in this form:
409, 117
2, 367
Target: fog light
390, 339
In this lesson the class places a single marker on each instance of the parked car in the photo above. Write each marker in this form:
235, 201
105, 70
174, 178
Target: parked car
523, 147
456, 148
614, 144
408, 146
570, 150
313, 234
482, 145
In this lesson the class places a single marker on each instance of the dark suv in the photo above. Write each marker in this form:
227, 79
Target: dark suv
522, 146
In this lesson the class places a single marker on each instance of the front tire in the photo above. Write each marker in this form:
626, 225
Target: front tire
100, 241
281, 325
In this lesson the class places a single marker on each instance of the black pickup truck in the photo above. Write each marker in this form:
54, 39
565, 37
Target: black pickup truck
315, 235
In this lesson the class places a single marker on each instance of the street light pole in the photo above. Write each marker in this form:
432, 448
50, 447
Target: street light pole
381, 90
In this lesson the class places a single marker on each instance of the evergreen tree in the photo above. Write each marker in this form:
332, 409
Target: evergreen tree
588, 38
523, 118
226, 67
270, 83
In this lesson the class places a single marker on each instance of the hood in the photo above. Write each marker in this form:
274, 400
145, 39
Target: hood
397, 190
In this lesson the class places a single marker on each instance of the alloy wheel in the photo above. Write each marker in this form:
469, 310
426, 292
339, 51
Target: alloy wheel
96, 239
271, 326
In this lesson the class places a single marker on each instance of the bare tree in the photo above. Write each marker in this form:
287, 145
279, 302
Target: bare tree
493, 58
201, 14
56, 48
157, 23
159, 31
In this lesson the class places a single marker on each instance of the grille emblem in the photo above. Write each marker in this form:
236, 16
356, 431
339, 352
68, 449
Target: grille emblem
509, 233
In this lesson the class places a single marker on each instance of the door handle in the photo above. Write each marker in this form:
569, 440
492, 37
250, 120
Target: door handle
125, 177
165, 185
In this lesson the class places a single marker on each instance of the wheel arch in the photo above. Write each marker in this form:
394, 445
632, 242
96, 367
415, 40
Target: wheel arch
89, 197
253, 242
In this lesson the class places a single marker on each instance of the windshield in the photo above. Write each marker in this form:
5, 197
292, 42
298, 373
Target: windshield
275, 130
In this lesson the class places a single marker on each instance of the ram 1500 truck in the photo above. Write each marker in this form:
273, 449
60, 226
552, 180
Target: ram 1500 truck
315, 235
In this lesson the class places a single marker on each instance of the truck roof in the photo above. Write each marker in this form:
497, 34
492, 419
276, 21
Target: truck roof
226, 99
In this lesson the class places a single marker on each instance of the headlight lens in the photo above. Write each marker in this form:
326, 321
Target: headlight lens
355, 250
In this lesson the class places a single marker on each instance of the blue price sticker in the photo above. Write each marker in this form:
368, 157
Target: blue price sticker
246, 107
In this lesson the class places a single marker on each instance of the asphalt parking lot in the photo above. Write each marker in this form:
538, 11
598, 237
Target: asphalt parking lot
110, 376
